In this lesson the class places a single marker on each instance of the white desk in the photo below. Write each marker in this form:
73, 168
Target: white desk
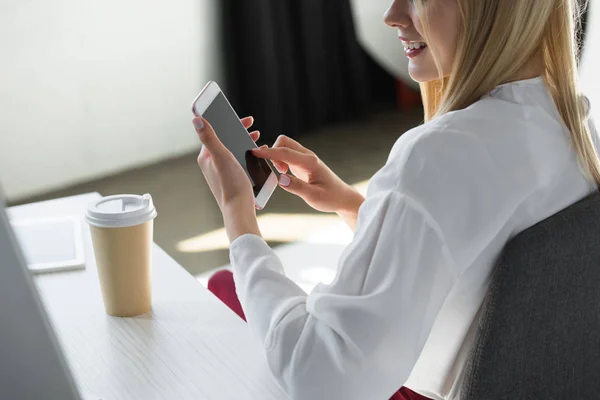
190, 346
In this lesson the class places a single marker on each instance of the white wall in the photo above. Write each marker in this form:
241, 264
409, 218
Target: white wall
91, 87
379, 40
590, 62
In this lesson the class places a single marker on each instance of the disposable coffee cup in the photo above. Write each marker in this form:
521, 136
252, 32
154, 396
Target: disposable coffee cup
122, 229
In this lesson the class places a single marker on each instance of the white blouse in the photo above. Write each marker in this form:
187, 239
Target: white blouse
408, 288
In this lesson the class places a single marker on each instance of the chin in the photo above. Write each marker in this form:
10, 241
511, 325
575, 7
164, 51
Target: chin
420, 78
422, 75
417, 78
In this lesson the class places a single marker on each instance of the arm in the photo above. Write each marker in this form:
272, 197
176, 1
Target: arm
360, 336
349, 213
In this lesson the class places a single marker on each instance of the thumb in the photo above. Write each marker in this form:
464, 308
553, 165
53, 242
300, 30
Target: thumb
207, 136
295, 186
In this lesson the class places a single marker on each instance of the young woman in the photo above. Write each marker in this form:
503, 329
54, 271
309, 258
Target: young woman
506, 144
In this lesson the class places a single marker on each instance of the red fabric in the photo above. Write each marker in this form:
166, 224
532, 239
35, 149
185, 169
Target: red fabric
406, 394
223, 286
407, 97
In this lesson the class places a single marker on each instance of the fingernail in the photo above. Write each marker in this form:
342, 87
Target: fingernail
264, 146
284, 180
198, 123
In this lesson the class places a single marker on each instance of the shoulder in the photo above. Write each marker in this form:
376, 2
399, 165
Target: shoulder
456, 166
433, 151
472, 124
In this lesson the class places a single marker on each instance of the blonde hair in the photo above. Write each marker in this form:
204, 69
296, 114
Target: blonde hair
490, 51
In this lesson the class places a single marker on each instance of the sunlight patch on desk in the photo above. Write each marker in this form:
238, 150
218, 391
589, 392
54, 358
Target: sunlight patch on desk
285, 228
274, 227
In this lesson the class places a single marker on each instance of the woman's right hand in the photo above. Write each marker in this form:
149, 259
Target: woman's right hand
312, 180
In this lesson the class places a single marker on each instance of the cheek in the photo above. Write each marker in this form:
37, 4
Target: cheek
442, 24
446, 49
447, 22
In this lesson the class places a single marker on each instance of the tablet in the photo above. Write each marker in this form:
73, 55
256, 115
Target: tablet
51, 244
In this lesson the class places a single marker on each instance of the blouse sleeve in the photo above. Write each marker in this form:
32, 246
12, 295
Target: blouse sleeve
360, 336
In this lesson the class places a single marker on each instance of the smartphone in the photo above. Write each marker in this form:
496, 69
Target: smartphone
212, 105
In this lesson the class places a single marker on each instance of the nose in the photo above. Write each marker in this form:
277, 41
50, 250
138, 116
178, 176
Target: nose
397, 16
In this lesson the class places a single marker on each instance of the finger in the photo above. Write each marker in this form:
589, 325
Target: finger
287, 156
203, 158
281, 167
208, 137
295, 186
285, 141
255, 135
247, 122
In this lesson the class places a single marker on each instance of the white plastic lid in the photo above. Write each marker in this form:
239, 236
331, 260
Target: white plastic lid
120, 211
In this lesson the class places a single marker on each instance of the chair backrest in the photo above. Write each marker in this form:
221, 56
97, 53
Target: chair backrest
539, 329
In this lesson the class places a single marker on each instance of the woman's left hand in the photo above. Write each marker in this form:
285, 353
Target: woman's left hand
227, 181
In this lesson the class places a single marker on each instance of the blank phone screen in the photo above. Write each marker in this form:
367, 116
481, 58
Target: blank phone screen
235, 137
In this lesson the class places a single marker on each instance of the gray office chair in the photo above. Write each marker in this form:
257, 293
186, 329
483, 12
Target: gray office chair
539, 330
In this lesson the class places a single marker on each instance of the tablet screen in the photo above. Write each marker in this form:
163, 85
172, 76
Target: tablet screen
50, 244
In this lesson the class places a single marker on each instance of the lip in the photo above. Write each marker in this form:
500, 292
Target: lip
413, 53
405, 39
